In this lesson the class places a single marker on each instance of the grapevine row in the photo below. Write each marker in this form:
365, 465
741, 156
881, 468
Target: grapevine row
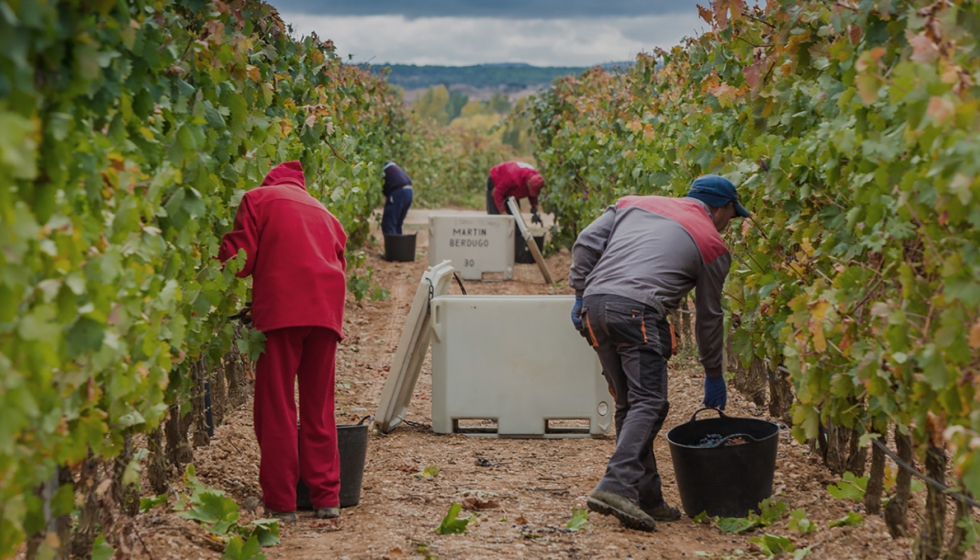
128, 133
853, 132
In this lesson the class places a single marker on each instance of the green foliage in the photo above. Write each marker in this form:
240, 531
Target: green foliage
146, 504
252, 344
451, 524
579, 520
433, 105
450, 165
737, 524
266, 531
852, 518
240, 549
854, 138
379, 294
208, 506
456, 103
101, 549
475, 107
850, 488
971, 527
360, 284
429, 472
500, 104
771, 512
775, 546
212, 509
129, 132
701, 517
423, 549
798, 522
517, 129
219, 514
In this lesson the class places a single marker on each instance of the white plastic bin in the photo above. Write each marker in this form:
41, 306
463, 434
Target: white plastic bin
518, 361
480, 247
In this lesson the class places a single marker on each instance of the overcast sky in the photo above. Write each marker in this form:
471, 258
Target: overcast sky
539, 32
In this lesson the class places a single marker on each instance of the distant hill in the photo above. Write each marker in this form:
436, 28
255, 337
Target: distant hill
512, 76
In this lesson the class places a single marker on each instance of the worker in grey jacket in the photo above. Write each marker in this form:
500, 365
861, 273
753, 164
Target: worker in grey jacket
629, 268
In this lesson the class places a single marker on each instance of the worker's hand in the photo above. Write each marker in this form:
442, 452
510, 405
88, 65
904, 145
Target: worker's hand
245, 315
536, 219
715, 392
577, 315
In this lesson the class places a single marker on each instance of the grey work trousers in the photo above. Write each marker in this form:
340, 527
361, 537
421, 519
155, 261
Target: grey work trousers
633, 343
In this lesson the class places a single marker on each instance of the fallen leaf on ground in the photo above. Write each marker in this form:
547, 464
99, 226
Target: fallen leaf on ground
329, 525
394, 554
476, 503
520, 520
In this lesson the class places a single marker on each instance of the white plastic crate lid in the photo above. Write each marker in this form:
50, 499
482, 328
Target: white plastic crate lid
414, 341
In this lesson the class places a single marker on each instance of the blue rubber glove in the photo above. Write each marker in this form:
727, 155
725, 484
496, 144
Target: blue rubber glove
577, 315
715, 392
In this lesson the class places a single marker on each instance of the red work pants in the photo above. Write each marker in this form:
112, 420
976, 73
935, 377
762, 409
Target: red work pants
307, 352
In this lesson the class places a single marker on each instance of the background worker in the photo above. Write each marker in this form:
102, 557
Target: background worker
629, 268
294, 251
398, 199
516, 179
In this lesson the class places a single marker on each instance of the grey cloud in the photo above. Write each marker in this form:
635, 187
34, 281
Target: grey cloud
461, 41
510, 9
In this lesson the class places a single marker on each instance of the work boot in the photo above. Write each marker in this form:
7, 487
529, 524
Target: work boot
627, 511
664, 512
283, 516
327, 513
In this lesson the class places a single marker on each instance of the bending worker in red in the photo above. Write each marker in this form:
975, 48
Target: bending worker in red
629, 268
516, 179
294, 251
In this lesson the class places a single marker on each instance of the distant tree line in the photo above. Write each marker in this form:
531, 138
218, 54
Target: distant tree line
409, 76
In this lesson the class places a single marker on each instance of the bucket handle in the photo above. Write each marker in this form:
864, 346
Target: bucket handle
700, 410
361, 422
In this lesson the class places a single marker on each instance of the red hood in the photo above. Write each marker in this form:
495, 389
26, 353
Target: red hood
288, 173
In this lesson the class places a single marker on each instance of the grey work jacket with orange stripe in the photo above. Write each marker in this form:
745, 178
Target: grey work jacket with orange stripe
654, 250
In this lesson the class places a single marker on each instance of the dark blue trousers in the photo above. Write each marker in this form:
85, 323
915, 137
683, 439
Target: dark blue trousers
396, 208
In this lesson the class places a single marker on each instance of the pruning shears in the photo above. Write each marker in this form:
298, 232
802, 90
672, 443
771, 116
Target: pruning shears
245, 315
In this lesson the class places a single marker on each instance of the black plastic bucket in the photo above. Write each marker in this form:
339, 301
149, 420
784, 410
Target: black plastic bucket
352, 440
727, 480
522, 254
400, 248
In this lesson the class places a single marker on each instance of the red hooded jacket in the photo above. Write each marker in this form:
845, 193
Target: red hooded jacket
513, 178
294, 251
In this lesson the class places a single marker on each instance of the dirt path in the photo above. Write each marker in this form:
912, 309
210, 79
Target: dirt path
536, 483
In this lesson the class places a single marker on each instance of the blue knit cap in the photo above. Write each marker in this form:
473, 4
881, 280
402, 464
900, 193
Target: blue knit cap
717, 191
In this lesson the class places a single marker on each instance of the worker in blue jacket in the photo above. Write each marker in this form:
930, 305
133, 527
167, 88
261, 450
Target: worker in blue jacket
398, 199
630, 267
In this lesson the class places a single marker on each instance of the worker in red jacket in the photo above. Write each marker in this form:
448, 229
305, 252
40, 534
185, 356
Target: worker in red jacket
516, 179
294, 252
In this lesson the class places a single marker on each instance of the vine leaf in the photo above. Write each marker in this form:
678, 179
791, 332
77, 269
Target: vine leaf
941, 109
452, 524
924, 50
706, 14
975, 335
